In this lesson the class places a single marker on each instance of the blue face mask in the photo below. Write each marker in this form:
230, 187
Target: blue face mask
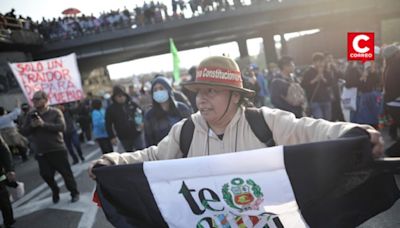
160, 96
138, 119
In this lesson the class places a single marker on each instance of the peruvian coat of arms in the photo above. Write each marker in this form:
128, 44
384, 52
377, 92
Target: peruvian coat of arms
242, 195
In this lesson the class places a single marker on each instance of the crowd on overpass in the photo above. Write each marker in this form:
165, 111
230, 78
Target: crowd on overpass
73, 26
10, 21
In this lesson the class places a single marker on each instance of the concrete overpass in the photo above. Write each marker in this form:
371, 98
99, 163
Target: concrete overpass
263, 20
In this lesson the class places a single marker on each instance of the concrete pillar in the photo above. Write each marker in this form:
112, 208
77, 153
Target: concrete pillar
244, 53
284, 50
96, 80
377, 23
269, 47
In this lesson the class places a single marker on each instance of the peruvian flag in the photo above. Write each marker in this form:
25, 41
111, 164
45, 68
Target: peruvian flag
324, 184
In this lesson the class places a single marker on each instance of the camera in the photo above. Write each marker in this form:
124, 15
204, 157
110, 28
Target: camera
35, 115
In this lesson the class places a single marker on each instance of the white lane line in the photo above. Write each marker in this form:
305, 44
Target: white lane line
32, 207
40, 188
89, 215
84, 206
76, 170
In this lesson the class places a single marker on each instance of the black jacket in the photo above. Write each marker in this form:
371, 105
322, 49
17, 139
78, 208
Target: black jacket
319, 91
279, 89
158, 126
121, 118
69, 122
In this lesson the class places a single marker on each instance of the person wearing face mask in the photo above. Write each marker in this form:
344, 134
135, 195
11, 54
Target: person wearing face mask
220, 125
165, 111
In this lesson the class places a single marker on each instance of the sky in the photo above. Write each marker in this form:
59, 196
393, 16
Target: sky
37, 9
189, 58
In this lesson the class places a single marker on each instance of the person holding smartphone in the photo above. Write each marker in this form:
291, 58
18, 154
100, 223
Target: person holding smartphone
46, 125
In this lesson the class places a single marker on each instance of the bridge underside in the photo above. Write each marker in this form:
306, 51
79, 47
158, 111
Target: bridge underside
254, 21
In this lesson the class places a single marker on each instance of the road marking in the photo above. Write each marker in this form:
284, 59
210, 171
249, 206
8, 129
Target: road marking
40, 198
40, 188
84, 206
77, 170
89, 215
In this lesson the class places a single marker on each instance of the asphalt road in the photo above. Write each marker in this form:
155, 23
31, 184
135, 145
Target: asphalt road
36, 208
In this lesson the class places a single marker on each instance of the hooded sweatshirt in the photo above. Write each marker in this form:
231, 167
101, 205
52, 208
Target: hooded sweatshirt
159, 122
121, 117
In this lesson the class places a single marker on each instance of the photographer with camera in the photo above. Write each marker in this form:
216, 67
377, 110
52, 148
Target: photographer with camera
46, 126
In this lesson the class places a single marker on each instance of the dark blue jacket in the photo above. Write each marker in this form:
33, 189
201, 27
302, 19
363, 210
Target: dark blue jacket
158, 126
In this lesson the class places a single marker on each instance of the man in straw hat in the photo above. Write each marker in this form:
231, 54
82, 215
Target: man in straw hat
221, 127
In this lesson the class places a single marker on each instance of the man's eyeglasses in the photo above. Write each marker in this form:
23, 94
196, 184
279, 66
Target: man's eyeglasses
209, 92
36, 98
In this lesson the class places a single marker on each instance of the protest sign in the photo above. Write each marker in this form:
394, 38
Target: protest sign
58, 77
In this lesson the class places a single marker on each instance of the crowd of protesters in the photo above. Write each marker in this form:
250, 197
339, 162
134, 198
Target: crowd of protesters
141, 118
321, 89
73, 26
223, 116
316, 91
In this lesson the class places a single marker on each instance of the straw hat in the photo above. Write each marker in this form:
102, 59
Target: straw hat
219, 71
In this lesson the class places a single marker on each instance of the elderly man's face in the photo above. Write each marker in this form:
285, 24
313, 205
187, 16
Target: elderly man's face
39, 101
212, 102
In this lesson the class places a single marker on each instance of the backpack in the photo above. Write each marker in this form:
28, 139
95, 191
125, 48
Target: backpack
296, 95
253, 115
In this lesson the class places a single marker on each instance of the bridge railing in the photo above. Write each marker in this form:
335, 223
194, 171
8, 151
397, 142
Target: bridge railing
11, 23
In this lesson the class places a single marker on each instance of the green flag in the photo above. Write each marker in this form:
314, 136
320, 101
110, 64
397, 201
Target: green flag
175, 58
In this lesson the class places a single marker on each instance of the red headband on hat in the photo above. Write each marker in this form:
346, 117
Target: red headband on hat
220, 75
